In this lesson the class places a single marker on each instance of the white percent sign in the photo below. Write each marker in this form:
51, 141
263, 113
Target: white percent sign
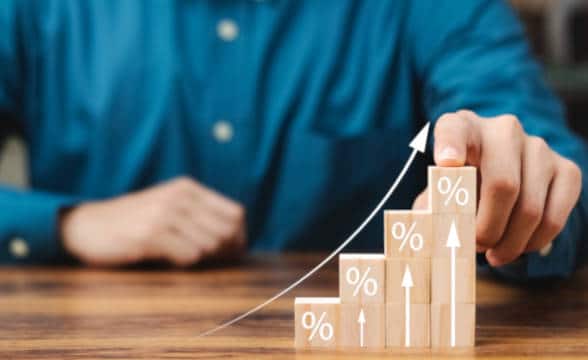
400, 233
320, 326
453, 191
361, 282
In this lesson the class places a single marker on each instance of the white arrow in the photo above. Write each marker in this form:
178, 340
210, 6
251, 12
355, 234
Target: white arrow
407, 284
418, 144
453, 243
361, 321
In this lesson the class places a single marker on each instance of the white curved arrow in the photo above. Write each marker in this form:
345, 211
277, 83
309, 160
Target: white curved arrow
418, 144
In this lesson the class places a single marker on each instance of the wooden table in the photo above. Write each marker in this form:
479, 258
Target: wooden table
74, 313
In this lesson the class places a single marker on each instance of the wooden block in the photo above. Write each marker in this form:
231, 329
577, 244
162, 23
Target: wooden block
465, 226
452, 190
465, 282
465, 325
374, 326
420, 273
418, 325
408, 233
362, 278
316, 322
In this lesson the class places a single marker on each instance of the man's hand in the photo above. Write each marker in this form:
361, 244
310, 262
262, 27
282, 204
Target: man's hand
180, 221
527, 190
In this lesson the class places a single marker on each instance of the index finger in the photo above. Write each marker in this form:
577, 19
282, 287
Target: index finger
456, 139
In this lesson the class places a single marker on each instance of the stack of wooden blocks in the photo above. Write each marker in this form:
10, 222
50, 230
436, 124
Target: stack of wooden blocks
420, 292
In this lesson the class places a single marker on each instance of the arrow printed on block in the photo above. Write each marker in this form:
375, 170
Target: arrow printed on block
407, 284
453, 243
361, 321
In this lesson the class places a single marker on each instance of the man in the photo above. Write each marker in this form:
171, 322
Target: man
185, 130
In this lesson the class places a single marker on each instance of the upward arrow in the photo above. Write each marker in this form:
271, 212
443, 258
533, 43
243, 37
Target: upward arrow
407, 283
453, 243
418, 144
453, 238
361, 321
407, 278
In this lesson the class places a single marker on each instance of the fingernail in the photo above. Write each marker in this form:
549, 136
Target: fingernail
545, 250
448, 153
493, 260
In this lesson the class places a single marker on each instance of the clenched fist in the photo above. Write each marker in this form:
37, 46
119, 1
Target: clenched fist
180, 221
527, 190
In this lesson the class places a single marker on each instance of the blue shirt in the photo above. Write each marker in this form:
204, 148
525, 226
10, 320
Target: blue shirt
300, 110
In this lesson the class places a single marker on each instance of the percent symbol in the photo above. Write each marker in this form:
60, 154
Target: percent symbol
320, 326
361, 281
453, 191
400, 233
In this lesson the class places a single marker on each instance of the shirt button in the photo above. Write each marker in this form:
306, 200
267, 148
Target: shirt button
222, 131
227, 30
19, 248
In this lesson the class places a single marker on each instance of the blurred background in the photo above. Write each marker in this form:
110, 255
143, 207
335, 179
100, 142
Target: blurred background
557, 30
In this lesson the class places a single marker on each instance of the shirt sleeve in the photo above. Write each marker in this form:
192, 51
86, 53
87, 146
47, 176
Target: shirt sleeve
10, 75
28, 219
474, 55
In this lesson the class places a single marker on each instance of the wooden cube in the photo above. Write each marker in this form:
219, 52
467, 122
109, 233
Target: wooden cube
362, 278
465, 226
373, 322
316, 322
408, 233
465, 282
418, 325
452, 190
420, 273
465, 325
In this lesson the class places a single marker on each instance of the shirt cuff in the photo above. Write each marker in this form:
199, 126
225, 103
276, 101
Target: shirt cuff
29, 227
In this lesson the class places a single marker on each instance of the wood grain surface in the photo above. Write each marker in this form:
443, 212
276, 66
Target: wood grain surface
75, 313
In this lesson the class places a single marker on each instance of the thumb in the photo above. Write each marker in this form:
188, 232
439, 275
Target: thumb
422, 201
452, 134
